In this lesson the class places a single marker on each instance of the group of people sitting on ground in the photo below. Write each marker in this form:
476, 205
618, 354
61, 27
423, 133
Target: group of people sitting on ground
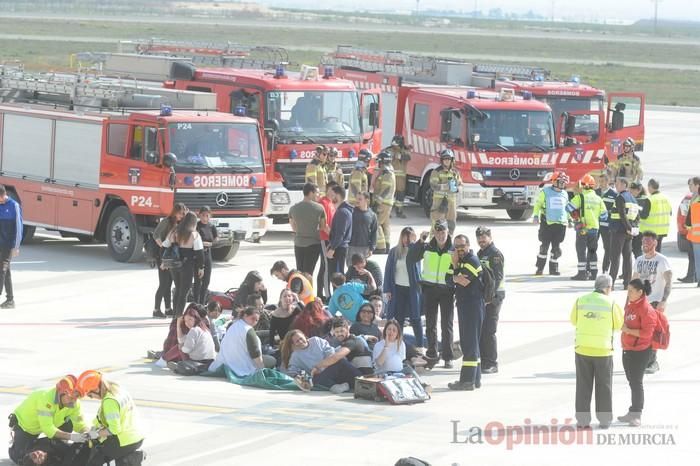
316, 345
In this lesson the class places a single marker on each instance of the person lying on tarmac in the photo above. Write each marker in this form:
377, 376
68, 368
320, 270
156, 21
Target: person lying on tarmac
51, 452
314, 357
340, 337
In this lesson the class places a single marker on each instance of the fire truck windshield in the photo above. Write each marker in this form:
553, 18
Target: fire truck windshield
510, 130
314, 116
560, 105
215, 147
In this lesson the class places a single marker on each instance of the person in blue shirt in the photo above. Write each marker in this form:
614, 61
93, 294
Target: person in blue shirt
348, 297
10, 239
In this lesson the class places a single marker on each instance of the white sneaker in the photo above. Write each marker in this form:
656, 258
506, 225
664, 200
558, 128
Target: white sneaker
339, 388
161, 363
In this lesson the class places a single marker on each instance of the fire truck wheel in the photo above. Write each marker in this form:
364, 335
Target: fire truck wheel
519, 214
124, 242
225, 253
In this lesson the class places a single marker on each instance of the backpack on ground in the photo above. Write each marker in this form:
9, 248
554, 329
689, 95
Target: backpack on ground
488, 282
225, 298
662, 332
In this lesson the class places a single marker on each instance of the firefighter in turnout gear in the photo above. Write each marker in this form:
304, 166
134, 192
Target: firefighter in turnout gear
627, 164
115, 427
333, 170
384, 187
445, 182
587, 209
359, 182
550, 213
465, 275
401, 155
316, 171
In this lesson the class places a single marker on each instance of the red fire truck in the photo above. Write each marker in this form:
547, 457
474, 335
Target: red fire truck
100, 172
624, 117
299, 110
506, 145
624, 111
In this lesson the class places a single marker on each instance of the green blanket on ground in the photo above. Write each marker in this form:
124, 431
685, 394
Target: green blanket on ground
264, 378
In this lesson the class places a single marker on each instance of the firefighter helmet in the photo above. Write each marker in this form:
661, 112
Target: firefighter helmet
68, 385
365, 155
384, 157
629, 142
447, 154
89, 381
397, 141
560, 179
588, 181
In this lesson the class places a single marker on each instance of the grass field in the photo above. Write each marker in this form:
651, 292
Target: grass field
661, 87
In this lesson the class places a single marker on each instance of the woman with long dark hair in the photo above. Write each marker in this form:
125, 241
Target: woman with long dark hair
209, 234
165, 280
252, 283
402, 285
640, 322
191, 252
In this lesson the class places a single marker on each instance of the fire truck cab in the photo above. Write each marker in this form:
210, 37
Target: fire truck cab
623, 111
503, 144
108, 174
299, 111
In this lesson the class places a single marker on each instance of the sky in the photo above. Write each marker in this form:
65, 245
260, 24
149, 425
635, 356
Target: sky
584, 9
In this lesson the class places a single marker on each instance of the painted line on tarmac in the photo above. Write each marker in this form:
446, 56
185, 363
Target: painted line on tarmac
229, 446
114, 323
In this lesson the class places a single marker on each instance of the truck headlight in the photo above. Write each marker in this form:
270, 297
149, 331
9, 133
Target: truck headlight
477, 176
280, 197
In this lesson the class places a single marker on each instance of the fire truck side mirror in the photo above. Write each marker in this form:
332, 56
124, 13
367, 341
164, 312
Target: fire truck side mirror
373, 114
169, 160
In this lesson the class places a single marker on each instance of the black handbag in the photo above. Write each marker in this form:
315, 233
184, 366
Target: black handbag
171, 259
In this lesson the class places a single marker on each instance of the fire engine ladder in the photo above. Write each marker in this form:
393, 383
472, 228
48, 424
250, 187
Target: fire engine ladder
390, 62
73, 89
225, 54
404, 64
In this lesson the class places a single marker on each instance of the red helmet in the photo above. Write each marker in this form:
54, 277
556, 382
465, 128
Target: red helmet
89, 381
561, 177
588, 181
68, 385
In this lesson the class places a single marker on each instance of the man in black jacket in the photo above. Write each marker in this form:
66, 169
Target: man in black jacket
341, 232
491, 256
364, 229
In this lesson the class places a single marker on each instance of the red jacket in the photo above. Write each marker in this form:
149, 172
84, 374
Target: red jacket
639, 315
329, 208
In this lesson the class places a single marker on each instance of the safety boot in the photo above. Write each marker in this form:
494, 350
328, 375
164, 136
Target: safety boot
554, 268
593, 274
580, 276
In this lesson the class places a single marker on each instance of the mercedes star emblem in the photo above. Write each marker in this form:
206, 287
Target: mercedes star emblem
221, 199
514, 174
